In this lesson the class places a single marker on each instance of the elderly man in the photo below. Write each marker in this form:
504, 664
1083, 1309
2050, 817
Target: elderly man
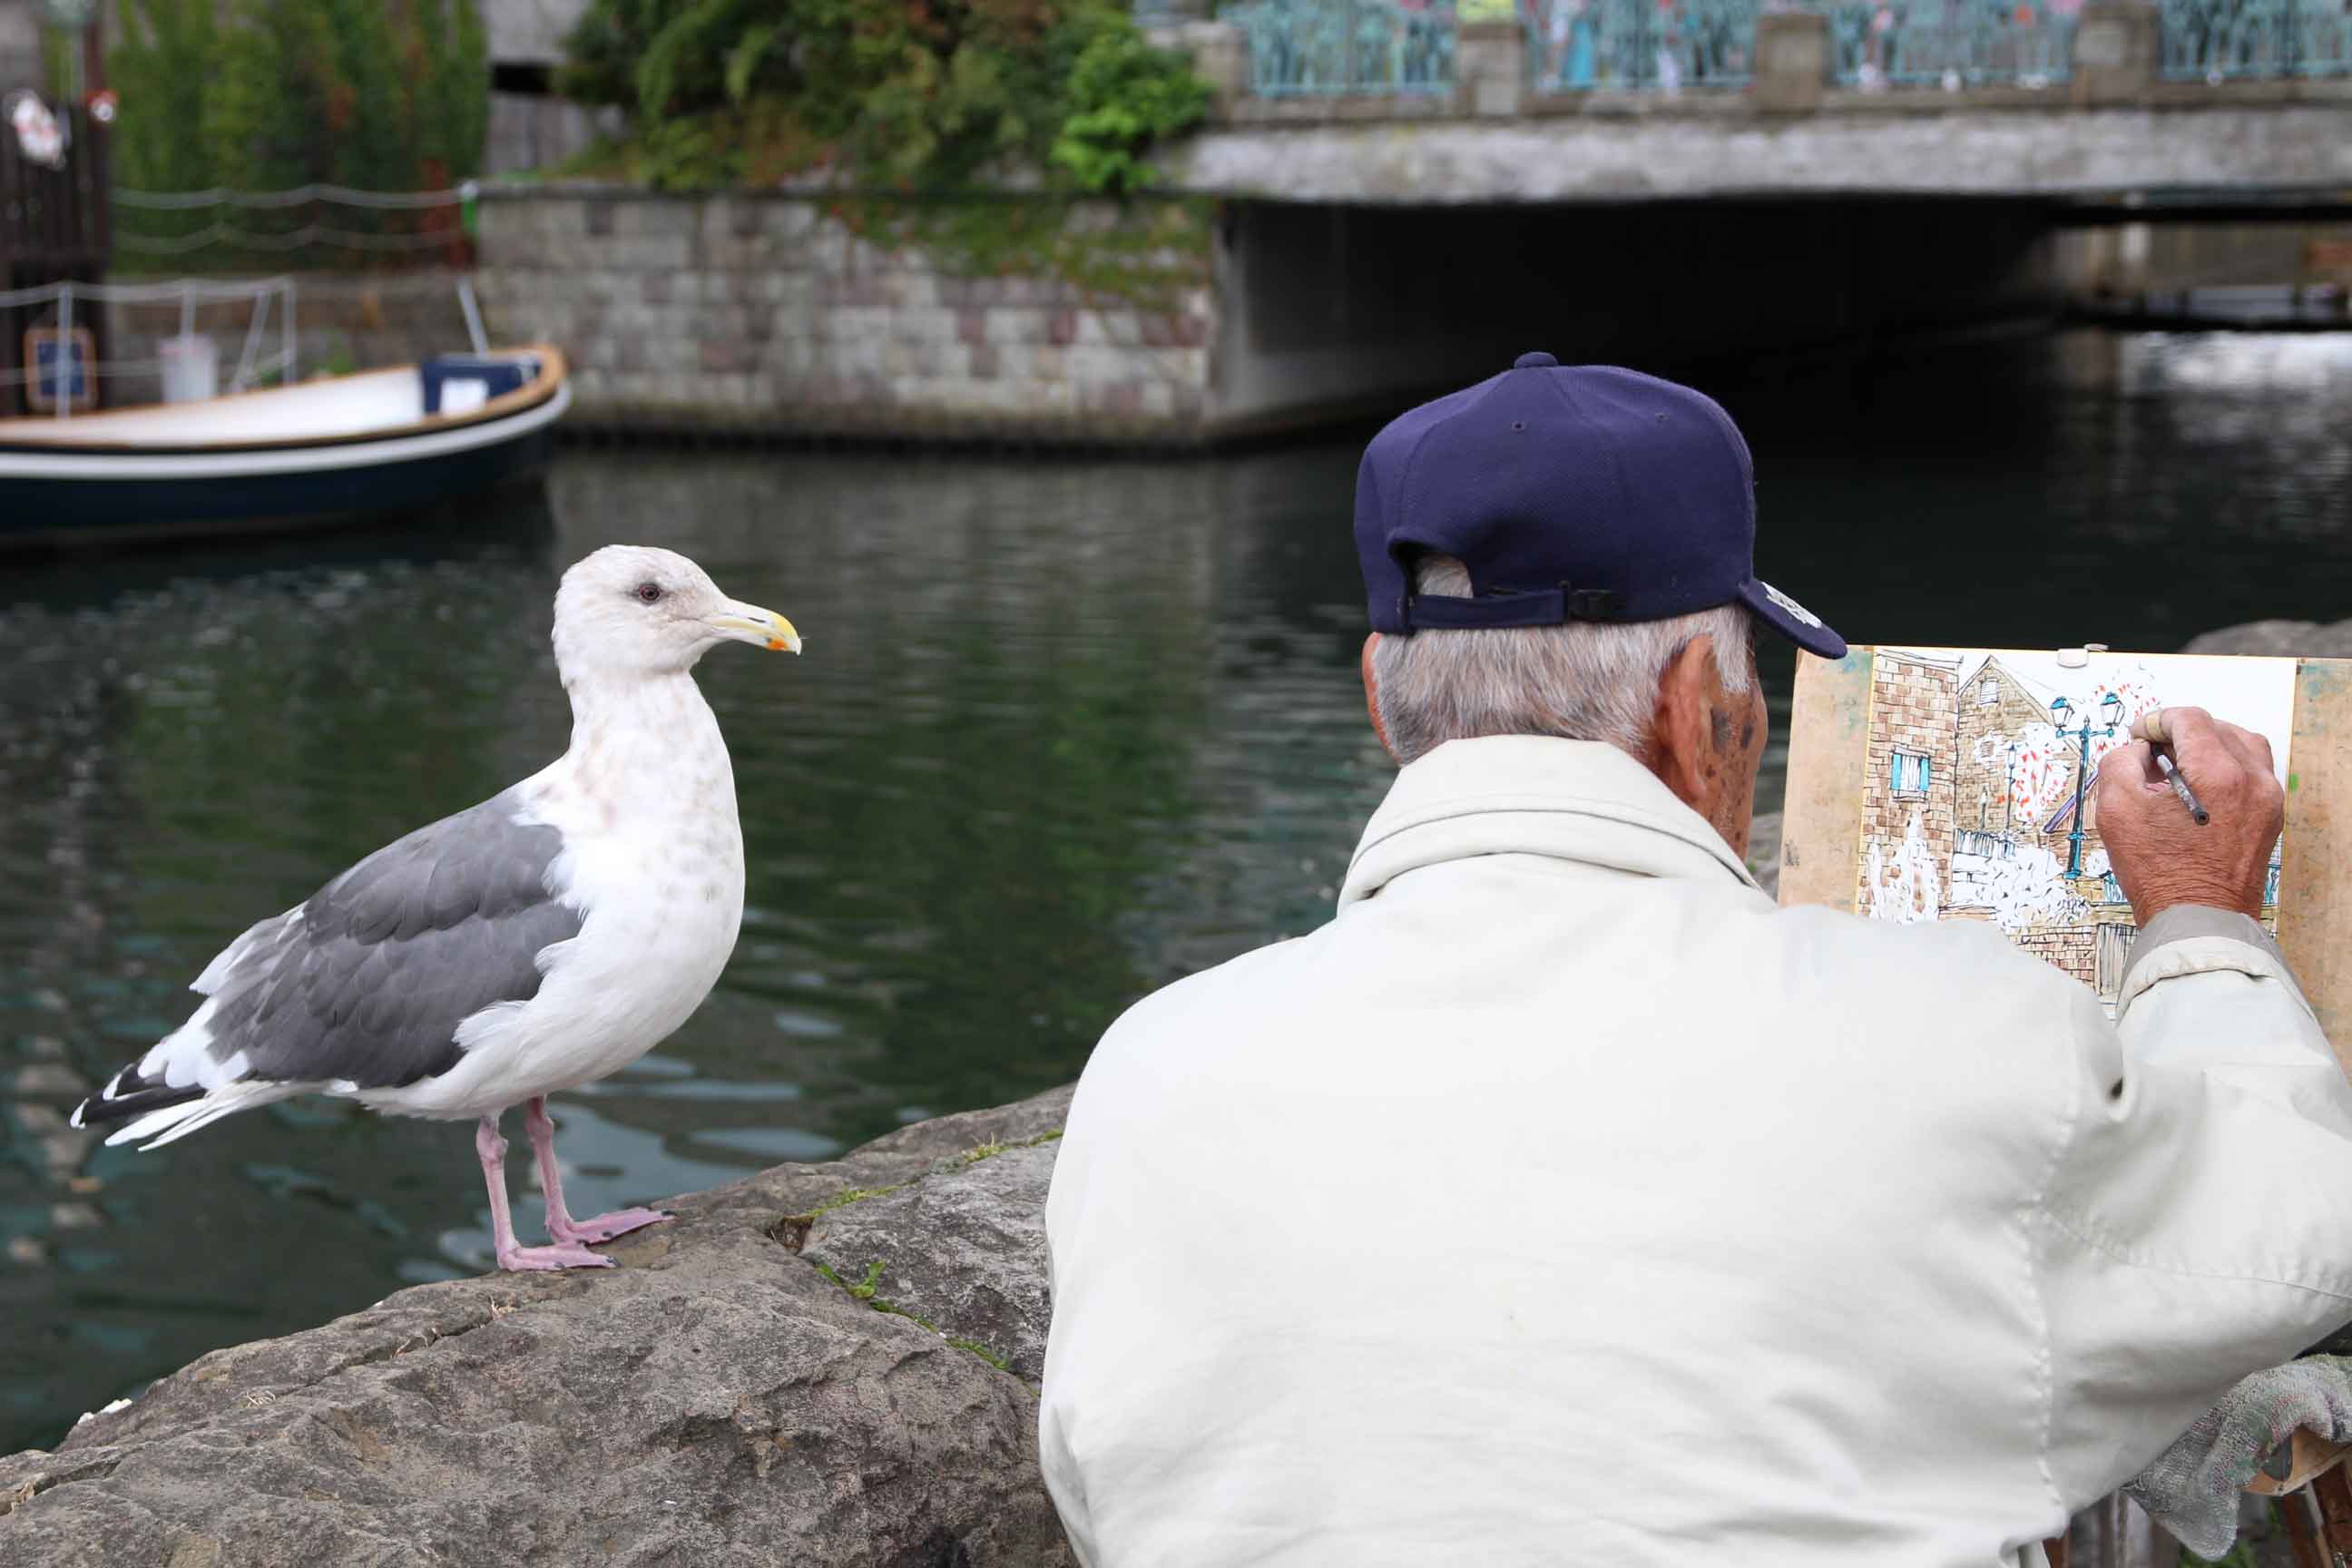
1564, 1201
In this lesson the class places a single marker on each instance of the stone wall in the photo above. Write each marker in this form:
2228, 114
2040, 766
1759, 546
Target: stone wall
771, 312
1911, 712
2069, 948
1989, 732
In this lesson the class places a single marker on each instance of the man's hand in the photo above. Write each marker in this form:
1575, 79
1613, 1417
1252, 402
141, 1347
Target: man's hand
2159, 855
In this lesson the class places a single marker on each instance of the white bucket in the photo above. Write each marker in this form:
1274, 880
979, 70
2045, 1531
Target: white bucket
191, 367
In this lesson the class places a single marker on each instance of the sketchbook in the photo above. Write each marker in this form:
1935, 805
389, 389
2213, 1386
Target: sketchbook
1937, 783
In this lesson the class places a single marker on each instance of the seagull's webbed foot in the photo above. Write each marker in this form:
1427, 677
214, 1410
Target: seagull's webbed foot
562, 1254
603, 1226
560, 1223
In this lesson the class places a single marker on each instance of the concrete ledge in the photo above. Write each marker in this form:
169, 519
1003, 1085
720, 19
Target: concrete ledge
1848, 148
1787, 83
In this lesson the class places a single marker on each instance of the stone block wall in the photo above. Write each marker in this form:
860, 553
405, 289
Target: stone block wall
1989, 732
770, 313
1912, 710
2070, 948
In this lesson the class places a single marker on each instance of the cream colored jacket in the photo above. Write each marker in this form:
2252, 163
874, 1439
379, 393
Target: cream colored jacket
1565, 1201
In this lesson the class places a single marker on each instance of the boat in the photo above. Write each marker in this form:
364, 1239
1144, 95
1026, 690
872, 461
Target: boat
339, 446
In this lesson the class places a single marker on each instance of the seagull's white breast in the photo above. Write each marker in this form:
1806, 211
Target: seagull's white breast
653, 861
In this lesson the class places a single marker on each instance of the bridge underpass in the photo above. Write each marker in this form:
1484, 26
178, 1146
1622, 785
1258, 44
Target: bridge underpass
1327, 312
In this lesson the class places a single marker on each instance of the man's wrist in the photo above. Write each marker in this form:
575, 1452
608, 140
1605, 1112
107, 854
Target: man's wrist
2146, 907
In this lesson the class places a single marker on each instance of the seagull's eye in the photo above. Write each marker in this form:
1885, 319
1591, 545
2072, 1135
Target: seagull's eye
648, 593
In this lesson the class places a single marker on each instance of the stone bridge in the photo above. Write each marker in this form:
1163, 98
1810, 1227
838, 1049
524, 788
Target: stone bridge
1370, 102
1407, 198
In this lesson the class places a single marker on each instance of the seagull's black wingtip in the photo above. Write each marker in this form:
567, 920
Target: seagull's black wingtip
108, 1106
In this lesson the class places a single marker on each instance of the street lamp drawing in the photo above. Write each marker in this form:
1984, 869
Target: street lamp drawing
2111, 709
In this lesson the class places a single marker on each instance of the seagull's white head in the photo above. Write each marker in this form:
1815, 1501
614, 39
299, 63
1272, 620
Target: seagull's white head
631, 610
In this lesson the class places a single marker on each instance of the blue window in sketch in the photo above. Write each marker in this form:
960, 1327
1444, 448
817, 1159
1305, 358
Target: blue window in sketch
1909, 773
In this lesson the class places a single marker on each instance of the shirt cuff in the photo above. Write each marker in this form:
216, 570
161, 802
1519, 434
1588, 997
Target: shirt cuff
2188, 923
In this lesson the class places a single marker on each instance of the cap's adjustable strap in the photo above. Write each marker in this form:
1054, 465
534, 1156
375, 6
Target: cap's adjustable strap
1535, 608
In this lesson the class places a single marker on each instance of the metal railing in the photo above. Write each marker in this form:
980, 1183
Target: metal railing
1331, 48
1951, 44
1576, 44
68, 376
324, 225
2215, 40
1991, 845
1305, 48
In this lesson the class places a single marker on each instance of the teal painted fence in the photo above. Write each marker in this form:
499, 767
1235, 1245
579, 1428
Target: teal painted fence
1301, 48
2216, 40
1576, 44
1951, 43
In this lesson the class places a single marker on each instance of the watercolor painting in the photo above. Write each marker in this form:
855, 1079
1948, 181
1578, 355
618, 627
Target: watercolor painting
1977, 805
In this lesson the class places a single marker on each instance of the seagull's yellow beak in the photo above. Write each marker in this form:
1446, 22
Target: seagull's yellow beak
749, 623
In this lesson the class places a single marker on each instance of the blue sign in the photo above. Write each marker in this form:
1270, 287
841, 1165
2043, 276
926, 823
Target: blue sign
55, 359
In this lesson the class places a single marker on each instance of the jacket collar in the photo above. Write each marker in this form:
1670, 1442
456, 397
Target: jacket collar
1529, 794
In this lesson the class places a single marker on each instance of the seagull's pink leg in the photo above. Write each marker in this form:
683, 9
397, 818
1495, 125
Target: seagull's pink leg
563, 1255
560, 1223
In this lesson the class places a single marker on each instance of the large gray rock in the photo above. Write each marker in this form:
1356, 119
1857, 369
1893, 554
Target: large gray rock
2302, 639
963, 1250
717, 1399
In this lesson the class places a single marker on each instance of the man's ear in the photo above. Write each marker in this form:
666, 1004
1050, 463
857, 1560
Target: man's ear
1373, 694
1683, 751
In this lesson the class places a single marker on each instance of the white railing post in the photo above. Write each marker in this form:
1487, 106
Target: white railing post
466, 302
62, 388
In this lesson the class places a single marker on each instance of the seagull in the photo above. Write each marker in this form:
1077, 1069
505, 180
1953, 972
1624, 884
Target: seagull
550, 935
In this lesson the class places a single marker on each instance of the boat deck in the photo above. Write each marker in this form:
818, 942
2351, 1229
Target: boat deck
370, 404
308, 411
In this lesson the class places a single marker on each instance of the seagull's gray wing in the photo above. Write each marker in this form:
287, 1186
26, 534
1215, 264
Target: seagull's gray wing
367, 982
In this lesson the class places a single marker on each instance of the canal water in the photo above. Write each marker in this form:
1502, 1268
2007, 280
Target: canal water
1064, 732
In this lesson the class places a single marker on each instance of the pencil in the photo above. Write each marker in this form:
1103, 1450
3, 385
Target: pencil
2197, 812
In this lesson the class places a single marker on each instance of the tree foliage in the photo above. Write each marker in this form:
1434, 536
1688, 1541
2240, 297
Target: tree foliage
385, 95
915, 94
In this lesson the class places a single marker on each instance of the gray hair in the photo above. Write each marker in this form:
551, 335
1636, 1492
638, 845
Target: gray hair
1584, 681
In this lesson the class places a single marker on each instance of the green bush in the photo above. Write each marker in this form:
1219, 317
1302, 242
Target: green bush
1122, 98
387, 95
908, 94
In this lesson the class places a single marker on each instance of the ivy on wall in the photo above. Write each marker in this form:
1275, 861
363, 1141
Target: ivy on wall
912, 95
1145, 253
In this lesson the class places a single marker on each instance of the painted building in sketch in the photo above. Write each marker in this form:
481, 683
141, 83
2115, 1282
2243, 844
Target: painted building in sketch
1907, 796
1996, 714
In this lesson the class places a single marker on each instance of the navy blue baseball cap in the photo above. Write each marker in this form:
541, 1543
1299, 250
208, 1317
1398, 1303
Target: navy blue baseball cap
1571, 492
